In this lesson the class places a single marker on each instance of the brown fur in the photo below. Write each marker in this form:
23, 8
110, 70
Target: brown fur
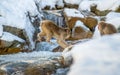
88, 21
50, 29
79, 33
106, 28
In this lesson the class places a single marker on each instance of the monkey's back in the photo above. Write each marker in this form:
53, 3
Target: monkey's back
50, 26
110, 29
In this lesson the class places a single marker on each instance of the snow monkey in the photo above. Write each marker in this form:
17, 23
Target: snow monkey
50, 29
106, 28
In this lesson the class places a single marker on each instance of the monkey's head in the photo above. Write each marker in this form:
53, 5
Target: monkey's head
101, 25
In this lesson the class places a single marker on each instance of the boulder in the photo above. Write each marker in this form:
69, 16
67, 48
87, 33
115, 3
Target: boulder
98, 12
56, 16
9, 47
23, 64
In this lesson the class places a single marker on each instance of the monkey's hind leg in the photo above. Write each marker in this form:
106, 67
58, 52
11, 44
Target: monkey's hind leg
62, 43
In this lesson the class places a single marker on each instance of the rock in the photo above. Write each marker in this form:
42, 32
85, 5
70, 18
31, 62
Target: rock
67, 57
13, 46
7, 47
98, 12
40, 69
90, 22
118, 9
2, 72
9, 50
56, 16
71, 5
33, 65
58, 49
16, 31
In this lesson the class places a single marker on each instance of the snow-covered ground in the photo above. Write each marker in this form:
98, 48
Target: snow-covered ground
113, 18
51, 3
97, 57
72, 12
101, 4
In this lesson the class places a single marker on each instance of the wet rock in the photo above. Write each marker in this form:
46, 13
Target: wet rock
33, 66
46, 68
58, 49
62, 71
45, 46
15, 68
56, 16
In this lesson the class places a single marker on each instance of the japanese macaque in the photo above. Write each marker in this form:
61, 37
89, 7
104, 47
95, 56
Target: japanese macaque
80, 33
50, 29
88, 21
106, 28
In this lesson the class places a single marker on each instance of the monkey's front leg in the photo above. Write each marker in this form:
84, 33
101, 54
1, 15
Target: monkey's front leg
39, 36
48, 37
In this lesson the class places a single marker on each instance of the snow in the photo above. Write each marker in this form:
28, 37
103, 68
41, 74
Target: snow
113, 18
51, 3
97, 57
101, 4
30, 32
15, 14
79, 23
73, 12
10, 37
108, 5
85, 5
73, 1
60, 3
1, 30
96, 33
